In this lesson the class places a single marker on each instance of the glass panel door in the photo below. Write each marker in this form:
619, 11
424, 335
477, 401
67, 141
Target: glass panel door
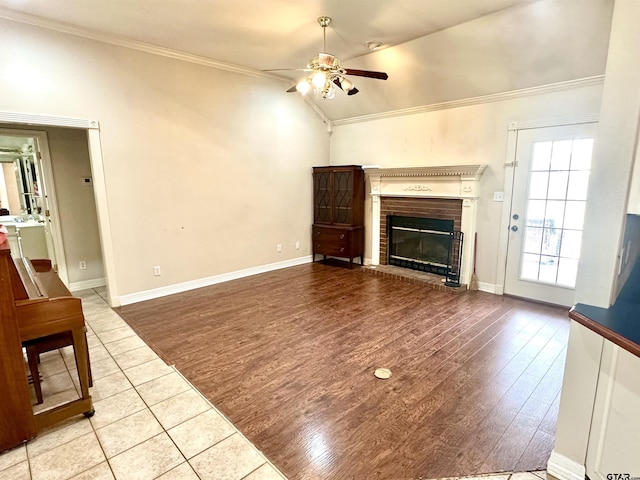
548, 204
322, 197
342, 194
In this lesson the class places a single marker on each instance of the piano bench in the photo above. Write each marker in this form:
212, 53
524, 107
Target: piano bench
46, 344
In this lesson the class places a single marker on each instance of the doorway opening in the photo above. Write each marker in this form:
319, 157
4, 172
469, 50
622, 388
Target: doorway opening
51, 215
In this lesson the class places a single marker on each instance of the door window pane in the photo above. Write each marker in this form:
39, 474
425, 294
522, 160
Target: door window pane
530, 265
581, 157
561, 155
554, 214
551, 241
558, 184
571, 244
535, 212
578, 183
538, 184
548, 269
533, 239
541, 156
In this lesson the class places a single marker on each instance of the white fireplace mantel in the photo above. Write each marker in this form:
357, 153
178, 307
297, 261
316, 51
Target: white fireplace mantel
457, 181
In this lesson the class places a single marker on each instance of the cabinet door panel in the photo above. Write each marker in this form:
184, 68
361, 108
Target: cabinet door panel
343, 197
322, 197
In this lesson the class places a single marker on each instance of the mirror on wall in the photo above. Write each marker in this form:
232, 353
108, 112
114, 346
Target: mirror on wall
20, 186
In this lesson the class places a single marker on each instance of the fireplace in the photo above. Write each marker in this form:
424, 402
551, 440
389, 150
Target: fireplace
438, 193
425, 244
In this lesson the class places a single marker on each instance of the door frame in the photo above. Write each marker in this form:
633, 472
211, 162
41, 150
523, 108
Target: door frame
509, 177
49, 193
92, 127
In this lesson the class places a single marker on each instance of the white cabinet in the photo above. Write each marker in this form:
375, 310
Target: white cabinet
27, 240
34, 244
614, 441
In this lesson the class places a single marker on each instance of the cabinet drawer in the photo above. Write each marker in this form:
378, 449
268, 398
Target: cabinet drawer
332, 241
333, 235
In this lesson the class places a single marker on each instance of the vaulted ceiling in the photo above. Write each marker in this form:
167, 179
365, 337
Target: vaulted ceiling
433, 50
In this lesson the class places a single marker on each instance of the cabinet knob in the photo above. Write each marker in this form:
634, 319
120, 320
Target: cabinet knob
342, 250
341, 236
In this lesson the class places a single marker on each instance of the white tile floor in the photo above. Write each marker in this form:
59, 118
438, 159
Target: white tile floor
149, 423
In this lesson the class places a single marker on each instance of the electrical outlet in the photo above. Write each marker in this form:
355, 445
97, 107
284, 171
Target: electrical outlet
498, 196
279, 248
82, 265
297, 245
156, 271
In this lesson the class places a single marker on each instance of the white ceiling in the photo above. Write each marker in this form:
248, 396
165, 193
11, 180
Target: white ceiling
424, 40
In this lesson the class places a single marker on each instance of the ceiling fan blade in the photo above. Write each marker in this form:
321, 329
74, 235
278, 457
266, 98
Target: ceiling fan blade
367, 73
353, 91
292, 89
287, 70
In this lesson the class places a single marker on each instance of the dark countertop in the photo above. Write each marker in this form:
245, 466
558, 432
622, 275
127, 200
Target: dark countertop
619, 323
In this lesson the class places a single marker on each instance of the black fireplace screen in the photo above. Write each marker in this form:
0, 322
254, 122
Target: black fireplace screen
426, 244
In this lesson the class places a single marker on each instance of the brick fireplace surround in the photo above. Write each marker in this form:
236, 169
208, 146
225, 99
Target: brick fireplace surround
440, 208
447, 193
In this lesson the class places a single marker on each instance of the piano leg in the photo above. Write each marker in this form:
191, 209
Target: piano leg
84, 404
80, 350
32, 357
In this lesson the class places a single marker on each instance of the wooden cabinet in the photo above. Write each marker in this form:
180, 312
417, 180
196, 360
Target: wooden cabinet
338, 212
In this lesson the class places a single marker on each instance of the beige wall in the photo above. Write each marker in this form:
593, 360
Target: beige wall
76, 203
460, 136
206, 170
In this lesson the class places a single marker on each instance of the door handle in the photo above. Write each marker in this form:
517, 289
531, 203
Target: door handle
514, 228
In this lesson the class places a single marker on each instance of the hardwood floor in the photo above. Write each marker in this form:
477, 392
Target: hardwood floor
289, 357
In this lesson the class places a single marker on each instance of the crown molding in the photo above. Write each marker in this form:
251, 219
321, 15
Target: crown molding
494, 97
62, 27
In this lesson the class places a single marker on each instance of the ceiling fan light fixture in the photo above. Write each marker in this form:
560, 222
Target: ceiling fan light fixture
303, 86
319, 79
326, 74
346, 84
328, 92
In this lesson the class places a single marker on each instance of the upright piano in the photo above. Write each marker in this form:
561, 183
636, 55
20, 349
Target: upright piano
34, 304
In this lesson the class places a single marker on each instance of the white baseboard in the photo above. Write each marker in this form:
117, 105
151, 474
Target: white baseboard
488, 287
564, 468
77, 286
205, 282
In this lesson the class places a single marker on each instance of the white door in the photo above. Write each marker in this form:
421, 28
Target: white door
551, 176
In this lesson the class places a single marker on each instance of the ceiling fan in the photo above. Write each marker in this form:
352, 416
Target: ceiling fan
326, 73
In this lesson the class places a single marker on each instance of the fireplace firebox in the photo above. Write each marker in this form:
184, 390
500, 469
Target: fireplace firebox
425, 244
